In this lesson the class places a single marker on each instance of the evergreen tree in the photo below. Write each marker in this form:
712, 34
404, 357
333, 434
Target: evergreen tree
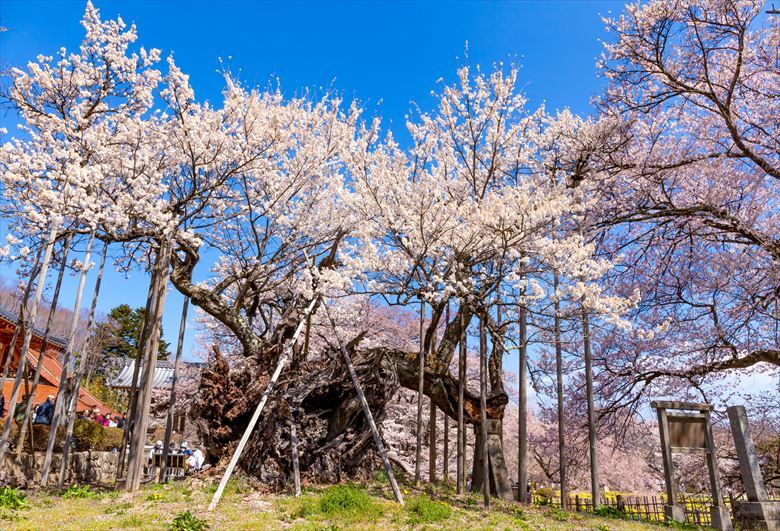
125, 324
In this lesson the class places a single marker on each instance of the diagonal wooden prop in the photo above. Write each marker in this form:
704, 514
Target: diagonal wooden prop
283, 359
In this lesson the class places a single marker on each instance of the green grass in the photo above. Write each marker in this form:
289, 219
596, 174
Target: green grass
182, 505
11, 502
186, 521
423, 510
12, 499
75, 492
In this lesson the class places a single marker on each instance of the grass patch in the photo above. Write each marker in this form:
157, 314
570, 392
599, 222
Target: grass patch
340, 504
76, 492
120, 508
186, 521
11, 501
609, 511
423, 510
346, 500
131, 522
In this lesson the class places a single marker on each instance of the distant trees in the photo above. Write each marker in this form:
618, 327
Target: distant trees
121, 333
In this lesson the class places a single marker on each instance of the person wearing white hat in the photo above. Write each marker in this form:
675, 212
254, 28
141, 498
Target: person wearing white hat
158, 449
195, 459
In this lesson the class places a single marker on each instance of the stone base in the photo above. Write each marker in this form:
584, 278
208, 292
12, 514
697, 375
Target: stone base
757, 515
674, 513
721, 519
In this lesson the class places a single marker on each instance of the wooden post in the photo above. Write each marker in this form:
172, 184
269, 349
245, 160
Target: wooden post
592, 434
133, 393
672, 511
719, 515
446, 450
283, 359
432, 442
28, 332
460, 480
74, 399
366, 410
20, 321
27, 421
28, 404
294, 450
67, 366
174, 381
483, 410
559, 393
420, 393
432, 450
137, 443
522, 449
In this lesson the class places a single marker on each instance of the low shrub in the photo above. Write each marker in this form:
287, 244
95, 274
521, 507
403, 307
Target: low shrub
609, 511
346, 500
543, 495
343, 498
12, 499
559, 515
423, 510
186, 521
75, 492
89, 435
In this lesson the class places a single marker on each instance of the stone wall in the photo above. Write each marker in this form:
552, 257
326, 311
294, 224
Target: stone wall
90, 467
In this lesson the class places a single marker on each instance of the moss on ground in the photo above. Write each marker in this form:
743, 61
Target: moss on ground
319, 508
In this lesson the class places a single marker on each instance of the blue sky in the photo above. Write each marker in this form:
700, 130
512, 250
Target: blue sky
384, 54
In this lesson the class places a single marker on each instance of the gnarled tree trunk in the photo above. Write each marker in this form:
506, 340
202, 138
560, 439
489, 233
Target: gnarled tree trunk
334, 440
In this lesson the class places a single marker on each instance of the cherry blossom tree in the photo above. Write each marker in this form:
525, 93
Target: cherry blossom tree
685, 157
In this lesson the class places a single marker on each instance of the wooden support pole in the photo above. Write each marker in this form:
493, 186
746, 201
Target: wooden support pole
137, 442
366, 410
446, 449
522, 435
27, 421
559, 393
294, 451
420, 393
28, 332
20, 321
592, 432
432, 421
174, 382
483, 411
30, 402
74, 398
460, 480
133, 393
283, 359
67, 366
432, 442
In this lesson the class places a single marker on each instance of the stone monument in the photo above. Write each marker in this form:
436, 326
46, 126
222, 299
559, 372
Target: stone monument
757, 512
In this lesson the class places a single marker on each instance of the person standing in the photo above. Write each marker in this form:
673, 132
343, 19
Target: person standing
45, 411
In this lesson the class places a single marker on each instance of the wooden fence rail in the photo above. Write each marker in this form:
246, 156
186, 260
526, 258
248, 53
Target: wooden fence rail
645, 508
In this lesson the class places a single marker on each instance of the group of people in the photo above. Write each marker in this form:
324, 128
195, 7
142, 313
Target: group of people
193, 459
104, 420
42, 413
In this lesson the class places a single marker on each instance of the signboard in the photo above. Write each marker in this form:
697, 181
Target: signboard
687, 433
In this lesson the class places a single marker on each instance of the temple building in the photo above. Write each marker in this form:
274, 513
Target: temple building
51, 369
